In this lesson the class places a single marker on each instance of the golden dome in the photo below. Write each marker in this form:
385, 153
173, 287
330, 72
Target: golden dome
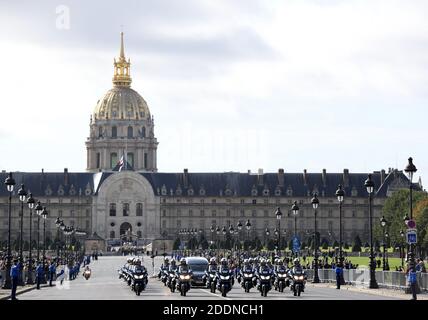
121, 102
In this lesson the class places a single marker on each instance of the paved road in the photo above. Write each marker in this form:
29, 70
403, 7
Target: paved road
105, 285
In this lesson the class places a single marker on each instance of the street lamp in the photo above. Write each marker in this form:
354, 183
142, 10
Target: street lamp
22, 197
369, 184
58, 224
410, 170
402, 253
278, 215
44, 215
315, 203
30, 202
267, 233
248, 226
39, 210
9, 183
340, 194
383, 223
295, 210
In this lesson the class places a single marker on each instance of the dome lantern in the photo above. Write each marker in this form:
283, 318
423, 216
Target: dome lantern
122, 68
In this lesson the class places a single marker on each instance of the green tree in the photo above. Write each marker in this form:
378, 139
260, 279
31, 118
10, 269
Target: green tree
271, 245
290, 244
357, 244
394, 210
324, 244
335, 244
176, 245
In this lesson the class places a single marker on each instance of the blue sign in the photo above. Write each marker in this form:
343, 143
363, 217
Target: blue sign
411, 237
296, 244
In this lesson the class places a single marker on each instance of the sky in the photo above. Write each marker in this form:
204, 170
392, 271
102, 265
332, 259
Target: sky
234, 85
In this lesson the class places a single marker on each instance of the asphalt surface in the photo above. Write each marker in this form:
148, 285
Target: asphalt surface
104, 284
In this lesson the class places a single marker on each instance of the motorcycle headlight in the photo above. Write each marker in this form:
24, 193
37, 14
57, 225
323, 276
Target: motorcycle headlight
212, 275
185, 277
224, 277
139, 277
282, 275
265, 277
248, 275
301, 277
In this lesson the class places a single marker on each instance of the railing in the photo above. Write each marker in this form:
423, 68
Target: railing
361, 277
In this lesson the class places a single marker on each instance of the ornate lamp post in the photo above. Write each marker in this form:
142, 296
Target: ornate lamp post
267, 233
232, 233
369, 184
383, 223
340, 194
9, 183
217, 231
30, 202
39, 210
295, 210
402, 253
315, 203
278, 215
63, 227
212, 229
44, 215
22, 197
224, 231
410, 170
58, 224
248, 226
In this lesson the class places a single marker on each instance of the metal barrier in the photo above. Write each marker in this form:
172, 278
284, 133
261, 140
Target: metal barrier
387, 279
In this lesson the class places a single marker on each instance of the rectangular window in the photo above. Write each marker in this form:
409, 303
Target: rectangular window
178, 223
227, 213
190, 213
125, 209
163, 223
213, 213
145, 160
202, 213
98, 160
130, 159
87, 224
254, 213
71, 213
87, 212
60, 213
139, 209
164, 212
242, 201
112, 209
254, 201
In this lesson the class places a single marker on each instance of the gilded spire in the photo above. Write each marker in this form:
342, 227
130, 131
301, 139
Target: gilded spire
122, 68
122, 50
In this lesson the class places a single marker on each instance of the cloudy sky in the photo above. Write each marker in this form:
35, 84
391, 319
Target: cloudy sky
233, 85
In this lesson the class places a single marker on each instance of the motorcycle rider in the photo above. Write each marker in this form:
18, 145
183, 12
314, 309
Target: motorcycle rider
171, 270
297, 268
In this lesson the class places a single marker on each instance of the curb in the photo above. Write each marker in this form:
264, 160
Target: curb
24, 291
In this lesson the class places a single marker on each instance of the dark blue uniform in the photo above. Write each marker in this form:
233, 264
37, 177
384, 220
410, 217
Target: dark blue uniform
14, 275
339, 272
39, 275
52, 271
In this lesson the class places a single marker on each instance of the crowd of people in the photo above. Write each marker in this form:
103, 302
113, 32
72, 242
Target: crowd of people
44, 270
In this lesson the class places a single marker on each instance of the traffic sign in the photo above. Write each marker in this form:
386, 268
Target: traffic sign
411, 236
411, 224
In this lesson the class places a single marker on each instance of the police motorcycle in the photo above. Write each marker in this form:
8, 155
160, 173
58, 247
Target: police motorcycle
172, 276
298, 278
224, 278
124, 270
247, 276
264, 277
281, 276
87, 273
163, 271
139, 278
184, 277
210, 277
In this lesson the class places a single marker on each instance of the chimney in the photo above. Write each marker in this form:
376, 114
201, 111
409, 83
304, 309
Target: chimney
281, 177
324, 177
249, 171
186, 178
346, 177
260, 177
65, 176
305, 177
382, 176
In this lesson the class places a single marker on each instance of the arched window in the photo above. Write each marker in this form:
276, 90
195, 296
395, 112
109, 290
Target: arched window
112, 209
114, 132
139, 209
100, 132
131, 158
130, 132
125, 209
112, 234
113, 160
143, 132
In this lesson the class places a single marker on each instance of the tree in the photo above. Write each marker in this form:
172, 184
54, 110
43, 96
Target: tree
357, 244
335, 244
290, 244
204, 243
176, 245
324, 244
394, 210
346, 246
271, 245
258, 244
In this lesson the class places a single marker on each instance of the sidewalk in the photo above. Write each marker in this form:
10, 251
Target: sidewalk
5, 294
381, 291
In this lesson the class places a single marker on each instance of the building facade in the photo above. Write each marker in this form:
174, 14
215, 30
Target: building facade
122, 190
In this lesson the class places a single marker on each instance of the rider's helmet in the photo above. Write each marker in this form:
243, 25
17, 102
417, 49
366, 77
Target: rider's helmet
138, 262
296, 261
223, 261
246, 262
173, 262
263, 262
212, 260
250, 260
166, 260
183, 261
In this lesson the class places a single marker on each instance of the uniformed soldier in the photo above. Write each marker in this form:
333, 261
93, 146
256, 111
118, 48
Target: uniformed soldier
14, 275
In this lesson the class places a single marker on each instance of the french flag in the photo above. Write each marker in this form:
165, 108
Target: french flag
121, 163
